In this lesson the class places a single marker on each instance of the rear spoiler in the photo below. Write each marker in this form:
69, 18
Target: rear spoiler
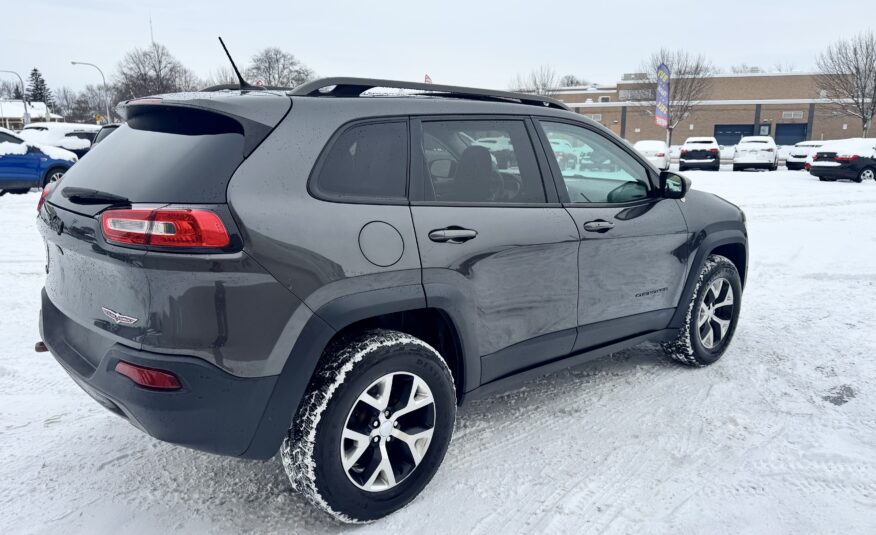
257, 113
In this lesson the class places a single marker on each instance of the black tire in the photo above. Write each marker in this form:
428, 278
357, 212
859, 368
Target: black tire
681, 168
775, 166
53, 175
312, 451
737, 168
688, 348
866, 174
825, 179
19, 191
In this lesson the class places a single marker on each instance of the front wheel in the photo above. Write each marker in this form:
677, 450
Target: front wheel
867, 173
711, 315
373, 427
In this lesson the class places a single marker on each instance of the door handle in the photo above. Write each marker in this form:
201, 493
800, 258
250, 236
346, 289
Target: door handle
452, 235
599, 225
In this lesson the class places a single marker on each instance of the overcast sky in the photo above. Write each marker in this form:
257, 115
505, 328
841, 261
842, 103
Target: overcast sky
455, 42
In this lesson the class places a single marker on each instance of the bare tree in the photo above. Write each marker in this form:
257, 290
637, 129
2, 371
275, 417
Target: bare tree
570, 80
541, 81
221, 76
7, 88
150, 71
847, 76
691, 82
274, 67
745, 68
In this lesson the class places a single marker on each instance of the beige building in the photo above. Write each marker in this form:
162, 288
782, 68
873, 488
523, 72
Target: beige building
787, 106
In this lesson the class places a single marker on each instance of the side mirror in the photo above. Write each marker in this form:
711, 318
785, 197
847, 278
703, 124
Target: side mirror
673, 185
441, 168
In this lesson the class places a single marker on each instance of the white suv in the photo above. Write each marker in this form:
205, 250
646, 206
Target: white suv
756, 152
700, 153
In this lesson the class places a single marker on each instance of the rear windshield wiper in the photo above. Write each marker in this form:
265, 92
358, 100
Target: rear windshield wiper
92, 196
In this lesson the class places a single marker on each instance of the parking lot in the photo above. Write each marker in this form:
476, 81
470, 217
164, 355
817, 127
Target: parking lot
779, 436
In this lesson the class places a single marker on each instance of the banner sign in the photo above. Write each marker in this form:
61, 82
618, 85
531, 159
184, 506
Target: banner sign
662, 114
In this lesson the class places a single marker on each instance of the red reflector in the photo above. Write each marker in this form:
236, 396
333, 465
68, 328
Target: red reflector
164, 228
148, 377
713, 150
46, 190
661, 154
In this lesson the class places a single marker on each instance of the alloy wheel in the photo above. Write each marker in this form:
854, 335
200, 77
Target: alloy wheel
56, 176
388, 431
867, 174
715, 313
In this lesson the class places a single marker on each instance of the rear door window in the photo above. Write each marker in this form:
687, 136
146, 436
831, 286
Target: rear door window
367, 162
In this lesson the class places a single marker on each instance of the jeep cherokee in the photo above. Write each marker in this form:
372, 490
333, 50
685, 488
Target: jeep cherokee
329, 273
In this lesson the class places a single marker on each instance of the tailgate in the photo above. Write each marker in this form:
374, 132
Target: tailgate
101, 288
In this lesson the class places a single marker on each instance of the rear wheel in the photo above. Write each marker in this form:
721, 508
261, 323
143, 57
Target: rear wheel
711, 315
867, 173
374, 426
825, 179
737, 168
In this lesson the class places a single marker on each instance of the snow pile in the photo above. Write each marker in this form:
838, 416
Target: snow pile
57, 153
13, 148
777, 437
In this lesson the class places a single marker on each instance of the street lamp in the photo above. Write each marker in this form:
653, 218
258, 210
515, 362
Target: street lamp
105, 88
26, 117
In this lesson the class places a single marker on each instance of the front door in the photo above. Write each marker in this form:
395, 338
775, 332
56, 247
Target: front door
17, 160
631, 255
489, 230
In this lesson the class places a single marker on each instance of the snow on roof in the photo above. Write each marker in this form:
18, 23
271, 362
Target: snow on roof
648, 144
14, 109
857, 145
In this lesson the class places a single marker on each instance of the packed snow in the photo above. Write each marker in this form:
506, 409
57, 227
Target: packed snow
777, 437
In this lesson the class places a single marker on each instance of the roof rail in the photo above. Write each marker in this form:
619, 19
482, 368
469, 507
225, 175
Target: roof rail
354, 87
236, 87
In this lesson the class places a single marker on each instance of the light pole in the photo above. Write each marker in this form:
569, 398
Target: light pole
105, 88
26, 117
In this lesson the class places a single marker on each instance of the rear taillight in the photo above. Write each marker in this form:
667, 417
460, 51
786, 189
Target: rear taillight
46, 190
845, 157
148, 377
661, 154
713, 150
164, 228
684, 151
770, 150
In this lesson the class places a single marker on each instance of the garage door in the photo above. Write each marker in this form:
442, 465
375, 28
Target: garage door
729, 134
789, 134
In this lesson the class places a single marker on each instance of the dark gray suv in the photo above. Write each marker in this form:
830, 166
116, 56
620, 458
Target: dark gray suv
330, 272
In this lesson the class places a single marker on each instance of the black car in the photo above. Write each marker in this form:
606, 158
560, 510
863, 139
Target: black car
853, 159
104, 131
331, 274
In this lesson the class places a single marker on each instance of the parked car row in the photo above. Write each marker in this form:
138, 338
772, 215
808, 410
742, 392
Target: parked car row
42, 152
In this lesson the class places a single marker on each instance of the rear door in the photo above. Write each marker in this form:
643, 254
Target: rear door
631, 260
493, 237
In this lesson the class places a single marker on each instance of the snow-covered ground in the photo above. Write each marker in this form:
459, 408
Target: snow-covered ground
778, 437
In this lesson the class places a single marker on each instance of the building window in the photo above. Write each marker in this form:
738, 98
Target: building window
594, 116
605, 99
792, 115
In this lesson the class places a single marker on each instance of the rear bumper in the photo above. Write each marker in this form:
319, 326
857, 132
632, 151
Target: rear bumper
793, 165
700, 164
214, 411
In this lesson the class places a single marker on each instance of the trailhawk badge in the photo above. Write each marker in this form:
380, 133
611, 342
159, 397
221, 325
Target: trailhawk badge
121, 319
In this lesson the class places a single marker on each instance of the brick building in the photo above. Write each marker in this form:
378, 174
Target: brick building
787, 106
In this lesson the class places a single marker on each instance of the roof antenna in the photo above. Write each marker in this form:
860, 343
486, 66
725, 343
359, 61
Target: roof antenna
244, 85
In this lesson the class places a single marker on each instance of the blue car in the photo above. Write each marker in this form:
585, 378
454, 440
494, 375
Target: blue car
26, 165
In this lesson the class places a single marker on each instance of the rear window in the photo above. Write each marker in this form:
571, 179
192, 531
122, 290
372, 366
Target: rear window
366, 162
166, 155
